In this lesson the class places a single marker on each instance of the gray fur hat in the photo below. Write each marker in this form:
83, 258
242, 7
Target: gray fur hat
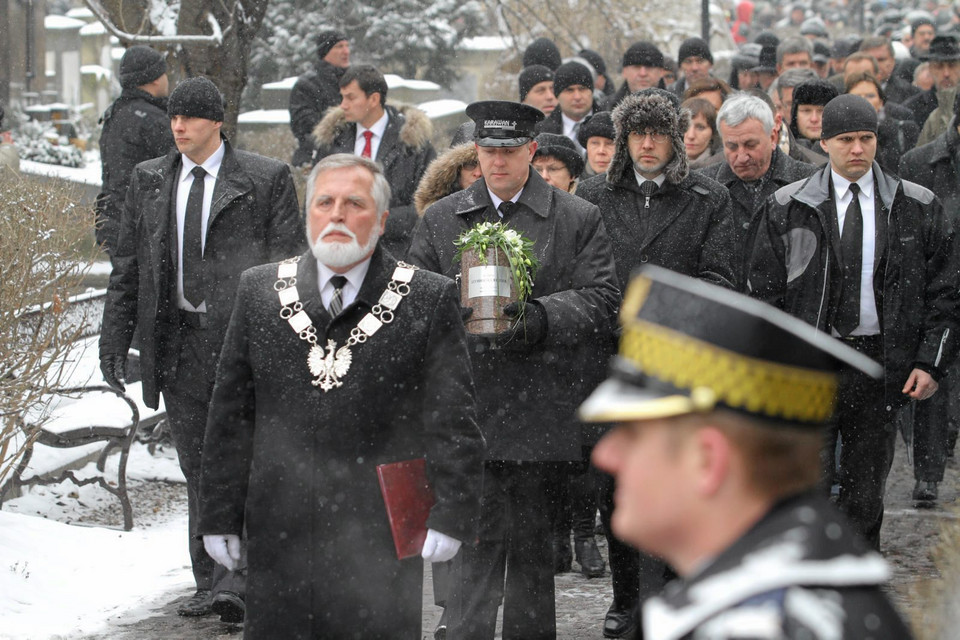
657, 110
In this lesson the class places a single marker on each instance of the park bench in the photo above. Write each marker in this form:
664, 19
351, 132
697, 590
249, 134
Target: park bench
82, 419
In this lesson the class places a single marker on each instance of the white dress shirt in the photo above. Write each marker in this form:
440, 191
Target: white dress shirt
350, 290
660, 179
378, 128
869, 319
185, 180
497, 201
568, 129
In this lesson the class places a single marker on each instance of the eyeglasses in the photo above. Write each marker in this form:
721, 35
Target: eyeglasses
655, 136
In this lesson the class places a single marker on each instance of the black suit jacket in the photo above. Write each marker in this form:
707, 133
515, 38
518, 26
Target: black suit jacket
254, 218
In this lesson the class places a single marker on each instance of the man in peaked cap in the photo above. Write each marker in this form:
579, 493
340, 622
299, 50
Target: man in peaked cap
656, 211
944, 58
529, 377
192, 222
719, 403
871, 259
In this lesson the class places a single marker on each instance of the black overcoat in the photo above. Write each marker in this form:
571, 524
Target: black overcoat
936, 166
313, 93
136, 128
691, 229
527, 401
254, 218
297, 466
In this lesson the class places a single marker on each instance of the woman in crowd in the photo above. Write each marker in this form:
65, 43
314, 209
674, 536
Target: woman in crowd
701, 139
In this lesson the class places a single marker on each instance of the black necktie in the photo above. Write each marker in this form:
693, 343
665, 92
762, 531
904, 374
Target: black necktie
648, 188
193, 241
851, 251
505, 208
336, 302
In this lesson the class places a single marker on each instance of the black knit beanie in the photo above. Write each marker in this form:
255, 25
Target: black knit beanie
542, 51
196, 98
598, 124
643, 54
569, 74
141, 65
847, 113
595, 59
532, 76
695, 47
326, 40
554, 145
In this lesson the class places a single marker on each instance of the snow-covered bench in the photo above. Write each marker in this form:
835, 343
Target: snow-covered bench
82, 419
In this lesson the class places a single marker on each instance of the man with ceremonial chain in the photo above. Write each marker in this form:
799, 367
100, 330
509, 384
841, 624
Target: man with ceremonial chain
336, 362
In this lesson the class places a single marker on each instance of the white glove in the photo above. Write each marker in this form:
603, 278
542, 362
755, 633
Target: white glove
437, 547
224, 549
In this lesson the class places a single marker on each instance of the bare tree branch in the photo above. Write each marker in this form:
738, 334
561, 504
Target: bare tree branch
134, 38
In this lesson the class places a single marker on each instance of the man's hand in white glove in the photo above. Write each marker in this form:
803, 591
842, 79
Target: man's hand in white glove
224, 549
437, 547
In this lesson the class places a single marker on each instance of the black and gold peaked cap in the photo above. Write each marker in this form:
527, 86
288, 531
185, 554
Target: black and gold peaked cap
692, 347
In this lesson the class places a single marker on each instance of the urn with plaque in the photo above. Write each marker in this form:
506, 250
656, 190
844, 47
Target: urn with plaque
497, 266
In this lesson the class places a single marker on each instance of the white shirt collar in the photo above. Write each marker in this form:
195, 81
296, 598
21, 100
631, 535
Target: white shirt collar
496, 201
378, 127
841, 185
211, 165
660, 179
350, 290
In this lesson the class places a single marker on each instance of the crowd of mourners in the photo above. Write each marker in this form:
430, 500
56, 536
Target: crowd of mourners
819, 175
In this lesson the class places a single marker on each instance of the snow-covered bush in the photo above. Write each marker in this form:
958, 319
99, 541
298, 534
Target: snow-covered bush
43, 254
32, 142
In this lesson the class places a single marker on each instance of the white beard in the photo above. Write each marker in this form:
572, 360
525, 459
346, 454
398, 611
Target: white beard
342, 254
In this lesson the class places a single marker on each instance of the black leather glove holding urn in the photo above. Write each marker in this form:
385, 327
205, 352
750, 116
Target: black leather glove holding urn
529, 327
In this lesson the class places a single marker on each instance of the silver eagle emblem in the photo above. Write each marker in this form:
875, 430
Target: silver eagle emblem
329, 367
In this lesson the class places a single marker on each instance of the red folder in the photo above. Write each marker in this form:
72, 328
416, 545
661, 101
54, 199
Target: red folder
408, 497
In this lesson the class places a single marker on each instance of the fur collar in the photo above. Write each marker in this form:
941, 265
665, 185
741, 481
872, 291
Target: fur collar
415, 127
442, 177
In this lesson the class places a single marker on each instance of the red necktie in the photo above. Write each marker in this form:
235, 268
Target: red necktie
367, 146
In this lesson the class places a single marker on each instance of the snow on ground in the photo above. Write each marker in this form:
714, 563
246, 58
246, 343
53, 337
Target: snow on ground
87, 174
60, 580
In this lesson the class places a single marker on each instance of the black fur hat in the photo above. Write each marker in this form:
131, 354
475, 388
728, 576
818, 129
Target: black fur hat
654, 109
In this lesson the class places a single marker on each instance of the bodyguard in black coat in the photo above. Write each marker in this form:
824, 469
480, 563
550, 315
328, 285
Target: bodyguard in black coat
294, 462
251, 216
528, 383
136, 127
316, 91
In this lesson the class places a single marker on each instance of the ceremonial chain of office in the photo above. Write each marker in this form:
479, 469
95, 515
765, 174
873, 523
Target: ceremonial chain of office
331, 366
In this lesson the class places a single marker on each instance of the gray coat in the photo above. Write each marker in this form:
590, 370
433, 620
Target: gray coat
527, 401
254, 218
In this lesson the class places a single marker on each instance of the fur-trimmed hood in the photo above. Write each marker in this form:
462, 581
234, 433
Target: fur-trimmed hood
442, 177
649, 109
415, 128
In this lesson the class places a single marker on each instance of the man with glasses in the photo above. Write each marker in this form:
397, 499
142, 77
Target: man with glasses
657, 212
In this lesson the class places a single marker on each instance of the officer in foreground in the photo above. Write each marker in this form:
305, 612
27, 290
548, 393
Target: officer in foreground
720, 403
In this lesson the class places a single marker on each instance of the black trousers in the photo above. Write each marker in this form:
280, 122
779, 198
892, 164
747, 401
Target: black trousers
186, 397
636, 575
511, 562
868, 436
934, 429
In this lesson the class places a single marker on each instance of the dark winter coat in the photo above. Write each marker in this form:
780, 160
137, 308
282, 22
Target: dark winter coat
254, 218
136, 127
898, 90
296, 466
922, 105
553, 123
800, 572
313, 93
691, 229
895, 136
745, 202
936, 166
442, 177
404, 153
527, 401
792, 258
